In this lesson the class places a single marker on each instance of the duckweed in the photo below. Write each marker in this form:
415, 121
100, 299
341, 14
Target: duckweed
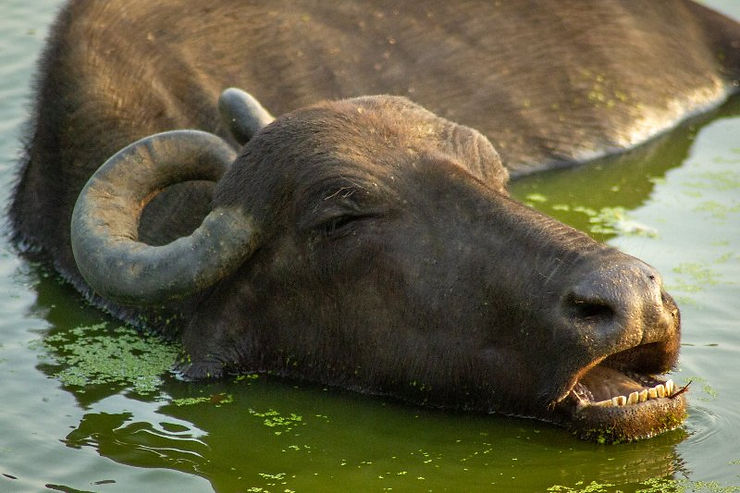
694, 277
592, 487
667, 485
655, 485
216, 399
273, 419
613, 220
95, 355
536, 197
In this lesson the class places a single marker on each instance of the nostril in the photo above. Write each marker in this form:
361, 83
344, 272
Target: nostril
622, 292
670, 305
590, 309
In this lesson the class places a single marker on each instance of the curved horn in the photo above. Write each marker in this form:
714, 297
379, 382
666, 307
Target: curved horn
105, 222
243, 114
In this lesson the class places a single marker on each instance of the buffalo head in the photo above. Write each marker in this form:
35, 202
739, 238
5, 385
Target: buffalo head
370, 244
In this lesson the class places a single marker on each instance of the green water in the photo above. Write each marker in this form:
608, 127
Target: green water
87, 405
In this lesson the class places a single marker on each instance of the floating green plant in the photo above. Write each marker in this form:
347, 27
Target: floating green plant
694, 277
215, 399
592, 487
273, 419
95, 355
655, 485
668, 485
536, 197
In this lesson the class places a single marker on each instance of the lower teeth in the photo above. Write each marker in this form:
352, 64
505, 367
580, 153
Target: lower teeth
662, 390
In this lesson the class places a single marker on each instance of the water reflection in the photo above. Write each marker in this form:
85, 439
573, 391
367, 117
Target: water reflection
123, 438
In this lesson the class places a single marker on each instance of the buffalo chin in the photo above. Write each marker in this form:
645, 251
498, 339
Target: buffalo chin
611, 406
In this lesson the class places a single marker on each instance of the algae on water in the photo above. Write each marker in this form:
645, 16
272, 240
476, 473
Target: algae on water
281, 423
655, 485
215, 399
94, 355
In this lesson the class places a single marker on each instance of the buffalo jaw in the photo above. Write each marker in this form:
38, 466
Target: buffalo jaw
653, 407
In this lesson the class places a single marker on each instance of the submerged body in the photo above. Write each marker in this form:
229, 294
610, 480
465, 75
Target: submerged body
375, 242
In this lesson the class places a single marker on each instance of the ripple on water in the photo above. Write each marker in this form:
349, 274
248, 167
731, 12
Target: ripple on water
704, 424
713, 439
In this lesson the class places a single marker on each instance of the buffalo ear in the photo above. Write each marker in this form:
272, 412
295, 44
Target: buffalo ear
243, 114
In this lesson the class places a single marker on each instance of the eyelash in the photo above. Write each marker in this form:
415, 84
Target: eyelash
336, 224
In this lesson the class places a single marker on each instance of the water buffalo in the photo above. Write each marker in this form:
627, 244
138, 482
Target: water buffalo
367, 242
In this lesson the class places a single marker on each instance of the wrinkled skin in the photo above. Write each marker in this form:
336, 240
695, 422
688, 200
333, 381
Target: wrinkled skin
391, 259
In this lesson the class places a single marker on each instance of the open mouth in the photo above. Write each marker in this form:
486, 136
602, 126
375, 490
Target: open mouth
606, 387
608, 403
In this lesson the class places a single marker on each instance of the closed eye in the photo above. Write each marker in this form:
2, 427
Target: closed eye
337, 209
339, 225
